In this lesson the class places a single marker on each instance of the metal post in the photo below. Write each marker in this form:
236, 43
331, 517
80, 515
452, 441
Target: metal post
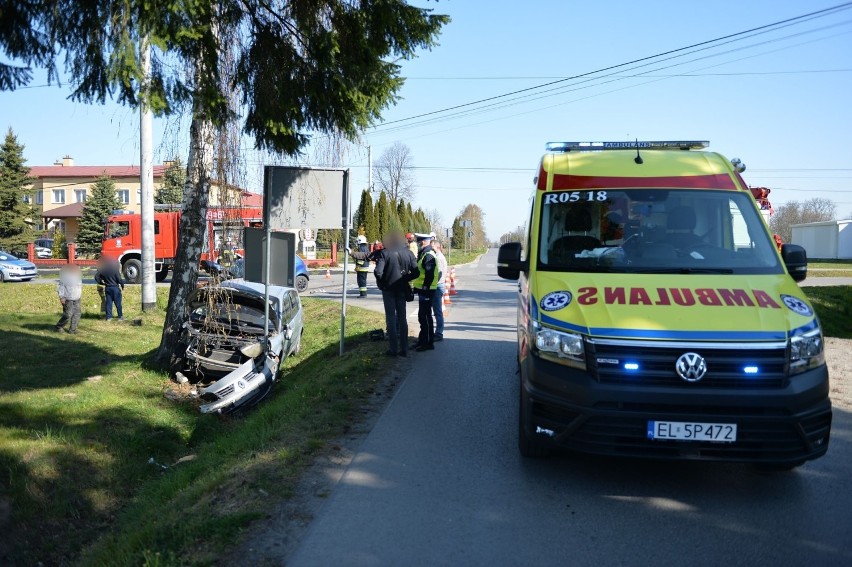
146, 182
268, 174
345, 259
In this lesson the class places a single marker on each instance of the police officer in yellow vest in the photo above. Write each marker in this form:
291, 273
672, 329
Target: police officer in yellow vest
362, 264
424, 286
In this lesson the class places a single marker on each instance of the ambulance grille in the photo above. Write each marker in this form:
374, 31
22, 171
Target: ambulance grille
656, 366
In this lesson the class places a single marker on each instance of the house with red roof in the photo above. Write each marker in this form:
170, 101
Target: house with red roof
61, 190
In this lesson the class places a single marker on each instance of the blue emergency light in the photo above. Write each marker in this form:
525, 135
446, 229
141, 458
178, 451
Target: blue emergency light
632, 366
751, 369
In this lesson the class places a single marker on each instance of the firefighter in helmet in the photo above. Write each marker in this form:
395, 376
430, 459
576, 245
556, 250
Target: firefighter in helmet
362, 264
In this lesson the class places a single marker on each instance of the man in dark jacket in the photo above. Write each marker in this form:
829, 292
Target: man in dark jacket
110, 277
395, 266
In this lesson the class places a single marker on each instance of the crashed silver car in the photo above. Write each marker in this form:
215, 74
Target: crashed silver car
225, 354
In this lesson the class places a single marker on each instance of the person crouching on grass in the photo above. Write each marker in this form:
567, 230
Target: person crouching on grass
70, 290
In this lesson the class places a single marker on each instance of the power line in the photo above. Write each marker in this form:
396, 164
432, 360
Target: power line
742, 73
596, 82
818, 13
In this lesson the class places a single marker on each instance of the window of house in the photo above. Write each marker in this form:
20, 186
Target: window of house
80, 195
139, 196
27, 199
39, 197
123, 196
59, 196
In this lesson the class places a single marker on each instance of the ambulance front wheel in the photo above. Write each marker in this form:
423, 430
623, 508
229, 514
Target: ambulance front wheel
527, 445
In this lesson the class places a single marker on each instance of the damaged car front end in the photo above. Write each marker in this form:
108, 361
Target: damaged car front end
227, 352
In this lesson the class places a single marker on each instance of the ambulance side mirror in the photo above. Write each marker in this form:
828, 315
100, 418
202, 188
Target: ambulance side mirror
509, 263
796, 259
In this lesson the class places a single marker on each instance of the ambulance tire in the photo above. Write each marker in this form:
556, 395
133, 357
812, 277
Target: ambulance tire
528, 446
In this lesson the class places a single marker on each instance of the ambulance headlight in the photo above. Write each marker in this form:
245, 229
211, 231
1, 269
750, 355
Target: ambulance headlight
559, 344
806, 351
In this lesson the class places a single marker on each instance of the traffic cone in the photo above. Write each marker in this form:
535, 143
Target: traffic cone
453, 282
445, 307
446, 297
327, 274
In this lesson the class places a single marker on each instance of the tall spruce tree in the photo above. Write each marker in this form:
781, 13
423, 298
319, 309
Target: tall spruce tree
101, 203
383, 214
16, 216
174, 178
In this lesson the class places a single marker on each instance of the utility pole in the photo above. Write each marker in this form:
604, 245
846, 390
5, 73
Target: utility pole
146, 181
370, 169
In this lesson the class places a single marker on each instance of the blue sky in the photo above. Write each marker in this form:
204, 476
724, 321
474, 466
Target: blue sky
779, 101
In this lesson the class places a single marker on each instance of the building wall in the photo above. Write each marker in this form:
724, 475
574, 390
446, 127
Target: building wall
831, 239
68, 188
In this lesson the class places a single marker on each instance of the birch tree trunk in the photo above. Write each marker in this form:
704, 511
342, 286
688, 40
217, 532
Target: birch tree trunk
191, 231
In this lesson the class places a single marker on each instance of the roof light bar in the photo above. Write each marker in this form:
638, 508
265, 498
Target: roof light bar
642, 145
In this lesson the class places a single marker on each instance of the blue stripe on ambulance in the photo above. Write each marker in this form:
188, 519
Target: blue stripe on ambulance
670, 334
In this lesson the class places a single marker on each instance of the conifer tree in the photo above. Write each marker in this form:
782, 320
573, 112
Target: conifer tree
383, 216
174, 178
16, 216
100, 204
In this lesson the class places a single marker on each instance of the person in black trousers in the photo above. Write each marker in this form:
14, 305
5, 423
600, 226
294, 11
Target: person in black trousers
110, 278
395, 264
424, 286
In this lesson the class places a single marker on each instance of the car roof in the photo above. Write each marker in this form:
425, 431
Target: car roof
257, 289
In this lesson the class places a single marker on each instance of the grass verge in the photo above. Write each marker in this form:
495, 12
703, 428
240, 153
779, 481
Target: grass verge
833, 306
458, 257
81, 416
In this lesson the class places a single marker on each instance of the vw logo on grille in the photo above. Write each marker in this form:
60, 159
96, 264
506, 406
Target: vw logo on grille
691, 367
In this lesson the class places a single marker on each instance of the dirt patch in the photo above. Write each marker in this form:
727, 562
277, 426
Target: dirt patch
839, 371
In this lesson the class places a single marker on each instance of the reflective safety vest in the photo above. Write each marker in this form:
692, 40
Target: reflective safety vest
417, 283
363, 265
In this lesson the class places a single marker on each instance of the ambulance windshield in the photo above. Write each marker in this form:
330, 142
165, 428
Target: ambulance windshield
654, 231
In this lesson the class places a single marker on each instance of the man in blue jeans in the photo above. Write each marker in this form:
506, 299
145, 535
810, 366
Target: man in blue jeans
438, 300
110, 278
395, 264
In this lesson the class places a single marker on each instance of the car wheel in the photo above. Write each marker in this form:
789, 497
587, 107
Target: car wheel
2, 277
301, 283
132, 271
527, 445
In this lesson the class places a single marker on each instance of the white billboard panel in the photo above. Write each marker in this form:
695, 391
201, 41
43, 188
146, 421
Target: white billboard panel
300, 197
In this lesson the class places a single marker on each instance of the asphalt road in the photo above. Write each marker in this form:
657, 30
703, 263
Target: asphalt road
439, 480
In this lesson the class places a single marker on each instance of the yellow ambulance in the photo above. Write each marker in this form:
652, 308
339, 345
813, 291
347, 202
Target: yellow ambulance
656, 316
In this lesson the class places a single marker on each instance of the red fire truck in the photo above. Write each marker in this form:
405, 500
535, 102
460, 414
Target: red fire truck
123, 238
